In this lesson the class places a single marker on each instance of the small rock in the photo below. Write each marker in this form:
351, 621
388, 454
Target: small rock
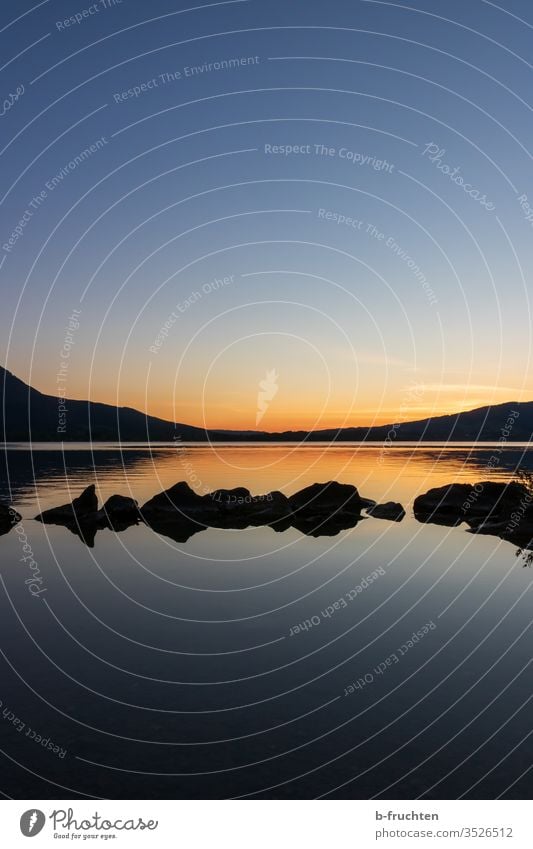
391, 510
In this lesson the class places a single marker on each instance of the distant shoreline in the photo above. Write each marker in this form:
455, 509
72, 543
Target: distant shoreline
304, 444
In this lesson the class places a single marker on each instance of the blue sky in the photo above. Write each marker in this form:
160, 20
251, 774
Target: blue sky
358, 171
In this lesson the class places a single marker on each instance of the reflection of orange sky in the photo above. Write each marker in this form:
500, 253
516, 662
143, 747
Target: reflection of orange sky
378, 474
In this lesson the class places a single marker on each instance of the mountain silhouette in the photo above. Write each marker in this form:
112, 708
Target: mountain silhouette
28, 415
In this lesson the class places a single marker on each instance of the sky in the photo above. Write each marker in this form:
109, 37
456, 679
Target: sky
272, 214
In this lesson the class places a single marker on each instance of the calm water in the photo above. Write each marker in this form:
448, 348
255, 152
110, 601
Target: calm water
165, 670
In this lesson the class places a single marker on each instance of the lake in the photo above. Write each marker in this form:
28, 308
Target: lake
390, 661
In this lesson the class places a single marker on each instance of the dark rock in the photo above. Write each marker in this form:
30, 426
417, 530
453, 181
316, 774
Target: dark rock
459, 502
320, 509
223, 508
238, 508
326, 509
85, 531
180, 499
179, 512
442, 502
271, 509
178, 529
118, 513
518, 531
230, 499
325, 526
445, 519
86, 503
391, 510
83, 518
8, 518
82, 507
325, 499
227, 508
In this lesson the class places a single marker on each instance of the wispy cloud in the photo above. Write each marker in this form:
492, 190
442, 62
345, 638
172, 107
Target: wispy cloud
466, 388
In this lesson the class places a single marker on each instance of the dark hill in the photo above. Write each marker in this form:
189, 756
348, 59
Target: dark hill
26, 414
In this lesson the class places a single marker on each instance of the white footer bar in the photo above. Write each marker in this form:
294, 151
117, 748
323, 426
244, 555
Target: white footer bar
266, 824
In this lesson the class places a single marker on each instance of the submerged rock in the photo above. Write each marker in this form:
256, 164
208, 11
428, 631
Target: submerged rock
391, 510
8, 518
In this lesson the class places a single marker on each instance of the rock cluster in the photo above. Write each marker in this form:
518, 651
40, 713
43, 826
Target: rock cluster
84, 519
322, 509
487, 507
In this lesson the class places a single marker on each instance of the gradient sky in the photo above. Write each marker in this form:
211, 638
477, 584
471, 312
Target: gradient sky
203, 265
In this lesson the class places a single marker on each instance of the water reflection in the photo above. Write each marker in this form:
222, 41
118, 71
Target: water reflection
166, 668
145, 469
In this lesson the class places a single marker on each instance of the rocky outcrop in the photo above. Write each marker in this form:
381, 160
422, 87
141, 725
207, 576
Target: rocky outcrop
83, 518
179, 529
183, 510
239, 508
515, 527
324, 525
325, 509
180, 499
85, 505
460, 502
391, 510
8, 518
331, 497
320, 509
504, 510
118, 513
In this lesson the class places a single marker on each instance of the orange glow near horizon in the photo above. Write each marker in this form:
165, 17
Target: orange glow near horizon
278, 418
277, 399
